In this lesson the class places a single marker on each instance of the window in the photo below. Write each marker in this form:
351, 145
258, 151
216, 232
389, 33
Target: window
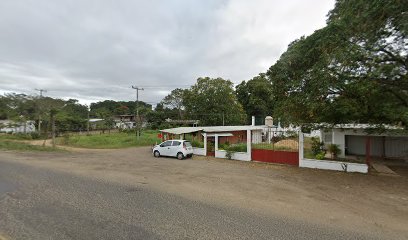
176, 143
166, 144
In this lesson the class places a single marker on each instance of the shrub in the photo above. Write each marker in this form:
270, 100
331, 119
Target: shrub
23, 136
240, 147
35, 135
320, 156
197, 144
334, 150
317, 146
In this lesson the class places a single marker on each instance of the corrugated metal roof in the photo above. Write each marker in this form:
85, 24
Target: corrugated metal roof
219, 134
95, 119
365, 126
182, 130
231, 128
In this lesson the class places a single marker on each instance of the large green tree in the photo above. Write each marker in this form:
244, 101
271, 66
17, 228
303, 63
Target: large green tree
213, 102
119, 107
175, 101
256, 96
353, 70
69, 115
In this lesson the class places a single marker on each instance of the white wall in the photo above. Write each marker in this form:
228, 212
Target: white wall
333, 165
18, 127
257, 136
314, 133
242, 156
393, 146
327, 164
199, 151
338, 137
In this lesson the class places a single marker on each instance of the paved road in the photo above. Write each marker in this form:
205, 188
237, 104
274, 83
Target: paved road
38, 203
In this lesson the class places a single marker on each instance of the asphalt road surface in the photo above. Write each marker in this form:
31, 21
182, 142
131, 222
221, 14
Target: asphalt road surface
39, 203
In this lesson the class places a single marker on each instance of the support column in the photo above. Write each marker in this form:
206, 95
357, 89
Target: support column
368, 150
205, 144
249, 145
301, 142
216, 142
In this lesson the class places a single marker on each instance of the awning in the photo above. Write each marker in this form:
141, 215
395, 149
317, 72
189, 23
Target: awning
219, 134
181, 130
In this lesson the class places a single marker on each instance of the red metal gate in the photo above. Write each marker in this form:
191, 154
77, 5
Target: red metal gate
283, 157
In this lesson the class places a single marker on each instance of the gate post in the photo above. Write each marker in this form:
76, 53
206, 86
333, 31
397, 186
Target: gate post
301, 139
205, 143
249, 147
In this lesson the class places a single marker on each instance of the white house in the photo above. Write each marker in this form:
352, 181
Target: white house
9, 126
354, 139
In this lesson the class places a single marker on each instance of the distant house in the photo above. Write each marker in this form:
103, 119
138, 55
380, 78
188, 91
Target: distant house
127, 121
10, 126
96, 123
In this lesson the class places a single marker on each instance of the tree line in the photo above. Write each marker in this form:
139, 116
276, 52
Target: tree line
353, 70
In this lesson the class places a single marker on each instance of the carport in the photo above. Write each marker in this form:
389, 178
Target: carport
213, 136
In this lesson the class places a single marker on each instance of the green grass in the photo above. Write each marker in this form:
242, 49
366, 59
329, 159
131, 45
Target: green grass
20, 146
272, 147
18, 136
237, 147
113, 140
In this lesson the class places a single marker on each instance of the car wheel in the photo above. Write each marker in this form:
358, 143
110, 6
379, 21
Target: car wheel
180, 156
156, 154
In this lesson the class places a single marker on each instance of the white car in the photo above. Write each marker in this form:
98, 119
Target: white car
174, 148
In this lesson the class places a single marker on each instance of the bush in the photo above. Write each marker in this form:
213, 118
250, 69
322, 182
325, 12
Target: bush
23, 136
240, 147
197, 144
224, 146
320, 156
334, 150
35, 135
317, 146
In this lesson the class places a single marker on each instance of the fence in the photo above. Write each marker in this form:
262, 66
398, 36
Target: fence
277, 147
316, 154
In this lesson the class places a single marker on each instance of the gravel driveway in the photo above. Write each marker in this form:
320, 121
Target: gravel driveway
266, 201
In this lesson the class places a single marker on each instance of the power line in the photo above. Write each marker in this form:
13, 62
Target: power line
41, 91
137, 110
39, 112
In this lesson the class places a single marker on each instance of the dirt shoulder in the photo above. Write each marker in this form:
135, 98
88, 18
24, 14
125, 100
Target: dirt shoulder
357, 202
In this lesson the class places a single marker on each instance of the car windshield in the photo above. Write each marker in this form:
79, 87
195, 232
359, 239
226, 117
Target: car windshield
187, 144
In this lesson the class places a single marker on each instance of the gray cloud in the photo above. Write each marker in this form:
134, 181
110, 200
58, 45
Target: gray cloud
94, 50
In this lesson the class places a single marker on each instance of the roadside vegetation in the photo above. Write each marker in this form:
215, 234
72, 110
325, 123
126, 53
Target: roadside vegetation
112, 141
19, 136
22, 146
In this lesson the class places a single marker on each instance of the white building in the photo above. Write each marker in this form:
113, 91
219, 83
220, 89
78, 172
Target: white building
354, 139
9, 126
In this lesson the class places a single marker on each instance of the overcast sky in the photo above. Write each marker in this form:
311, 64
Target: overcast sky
95, 50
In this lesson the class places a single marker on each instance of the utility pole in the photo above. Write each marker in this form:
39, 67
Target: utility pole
137, 111
87, 125
39, 112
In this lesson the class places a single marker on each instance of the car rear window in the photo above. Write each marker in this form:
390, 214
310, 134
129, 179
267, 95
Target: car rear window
188, 144
176, 143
